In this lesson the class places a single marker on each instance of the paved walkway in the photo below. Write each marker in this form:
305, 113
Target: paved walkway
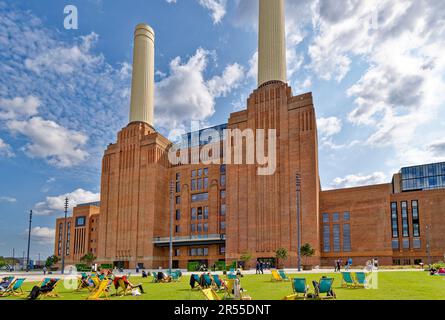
38, 276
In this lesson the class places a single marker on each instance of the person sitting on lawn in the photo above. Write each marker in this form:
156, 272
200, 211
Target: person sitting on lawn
127, 283
162, 277
4, 284
144, 274
36, 291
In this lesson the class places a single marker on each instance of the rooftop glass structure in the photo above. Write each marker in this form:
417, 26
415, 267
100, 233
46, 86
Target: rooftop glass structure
424, 177
204, 136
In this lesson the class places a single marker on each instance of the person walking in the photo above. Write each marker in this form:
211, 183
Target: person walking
262, 267
257, 268
44, 270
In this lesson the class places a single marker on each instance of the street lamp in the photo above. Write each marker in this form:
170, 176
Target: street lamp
64, 236
170, 261
29, 240
298, 188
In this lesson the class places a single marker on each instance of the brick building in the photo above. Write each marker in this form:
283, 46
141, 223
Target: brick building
222, 211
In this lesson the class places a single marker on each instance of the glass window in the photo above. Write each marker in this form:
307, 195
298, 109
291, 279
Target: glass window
394, 220
223, 210
200, 213
346, 216
417, 244
206, 212
326, 239
80, 222
336, 217
223, 194
222, 250
193, 227
206, 171
206, 183
193, 252
200, 173
325, 217
223, 180
177, 252
193, 185
223, 225
200, 197
222, 169
405, 227
395, 244
205, 227
199, 184
178, 176
178, 200
193, 173
178, 187
178, 229
415, 218
405, 243
200, 227
200, 251
205, 251
194, 215
347, 238
336, 232
178, 214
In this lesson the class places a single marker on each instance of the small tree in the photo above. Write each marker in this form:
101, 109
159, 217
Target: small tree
51, 261
306, 251
88, 259
246, 257
281, 254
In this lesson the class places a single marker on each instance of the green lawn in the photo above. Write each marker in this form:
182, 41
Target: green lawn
392, 286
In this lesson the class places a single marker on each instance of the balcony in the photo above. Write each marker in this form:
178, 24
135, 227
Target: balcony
190, 240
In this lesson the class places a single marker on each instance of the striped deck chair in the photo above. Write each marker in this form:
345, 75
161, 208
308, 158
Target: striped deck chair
275, 275
102, 290
210, 294
208, 282
8, 289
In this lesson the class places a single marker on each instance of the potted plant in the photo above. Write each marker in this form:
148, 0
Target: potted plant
245, 258
281, 254
51, 261
307, 251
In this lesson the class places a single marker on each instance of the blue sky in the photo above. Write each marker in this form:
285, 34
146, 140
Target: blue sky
376, 70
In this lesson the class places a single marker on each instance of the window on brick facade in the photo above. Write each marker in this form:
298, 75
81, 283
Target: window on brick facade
415, 218
394, 220
405, 223
347, 238
326, 238
336, 236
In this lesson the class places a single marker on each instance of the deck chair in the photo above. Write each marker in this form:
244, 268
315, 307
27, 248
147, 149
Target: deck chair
52, 293
102, 290
325, 286
17, 287
275, 275
300, 287
218, 282
175, 276
360, 278
44, 282
231, 276
347, 281
8, 289
123, 288
208, 280
229, 285
210, 294
283, 275
155, 277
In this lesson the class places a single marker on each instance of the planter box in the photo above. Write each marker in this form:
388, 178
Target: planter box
308, 268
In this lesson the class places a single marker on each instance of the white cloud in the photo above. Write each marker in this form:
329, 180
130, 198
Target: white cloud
42, 235
194, 96
56, 204
17, 107
5, 150
5, 199
50, 141
328, 127
351, 181
216, 7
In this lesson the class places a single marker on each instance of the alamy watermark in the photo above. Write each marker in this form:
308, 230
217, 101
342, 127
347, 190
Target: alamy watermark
71, 21
228, 146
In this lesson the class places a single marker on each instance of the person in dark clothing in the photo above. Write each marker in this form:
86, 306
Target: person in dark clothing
37, 291
262, 267
144, 274
257, 268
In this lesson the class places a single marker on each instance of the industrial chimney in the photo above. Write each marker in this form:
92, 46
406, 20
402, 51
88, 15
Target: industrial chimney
272, 42
142, 87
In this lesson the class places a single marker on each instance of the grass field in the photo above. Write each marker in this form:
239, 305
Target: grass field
392, 286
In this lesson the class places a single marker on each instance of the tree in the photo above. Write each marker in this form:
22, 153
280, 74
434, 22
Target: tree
246, 257
281, 254
51, 261
88, 258
306, 251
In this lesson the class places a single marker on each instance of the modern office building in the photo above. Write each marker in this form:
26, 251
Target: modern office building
219, 210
